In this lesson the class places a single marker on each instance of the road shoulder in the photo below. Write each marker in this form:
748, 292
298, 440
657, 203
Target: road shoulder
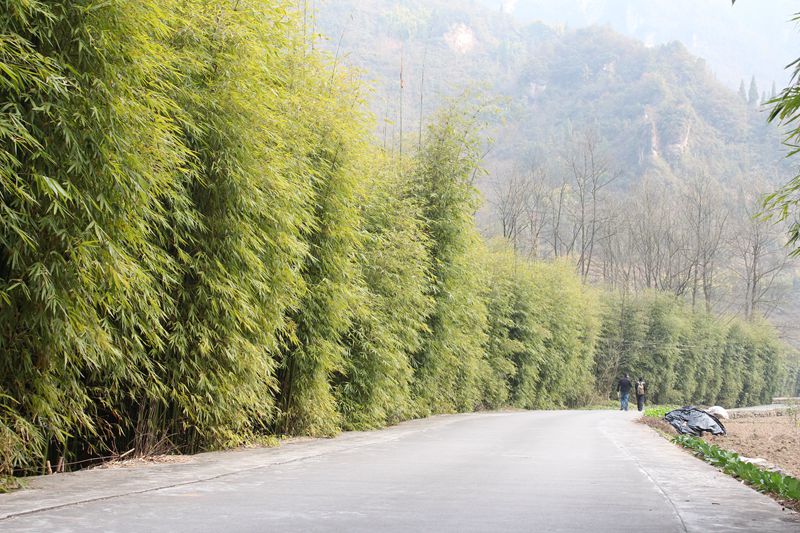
704, 498
45, 493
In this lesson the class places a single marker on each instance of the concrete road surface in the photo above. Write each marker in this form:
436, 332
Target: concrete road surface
590, 471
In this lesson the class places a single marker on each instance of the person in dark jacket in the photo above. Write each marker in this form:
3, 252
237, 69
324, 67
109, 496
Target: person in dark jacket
624, 390
640, 388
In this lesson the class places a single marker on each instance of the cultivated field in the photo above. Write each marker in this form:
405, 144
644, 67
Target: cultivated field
773, 438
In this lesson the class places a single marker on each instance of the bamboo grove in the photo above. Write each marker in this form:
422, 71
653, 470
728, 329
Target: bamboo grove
200, 244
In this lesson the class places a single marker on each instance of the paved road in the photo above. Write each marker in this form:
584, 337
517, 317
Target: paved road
523, 471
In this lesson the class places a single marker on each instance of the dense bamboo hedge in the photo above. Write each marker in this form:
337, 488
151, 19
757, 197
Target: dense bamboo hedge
686, 356
200, 244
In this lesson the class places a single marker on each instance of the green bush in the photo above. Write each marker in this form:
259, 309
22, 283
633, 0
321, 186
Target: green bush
374, 385
659, 411
449, 363
686, 356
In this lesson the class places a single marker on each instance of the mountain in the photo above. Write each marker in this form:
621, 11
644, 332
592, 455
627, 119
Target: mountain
657, 110
752, 38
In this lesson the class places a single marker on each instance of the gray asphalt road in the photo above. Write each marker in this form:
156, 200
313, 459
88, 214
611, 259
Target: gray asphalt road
524, 471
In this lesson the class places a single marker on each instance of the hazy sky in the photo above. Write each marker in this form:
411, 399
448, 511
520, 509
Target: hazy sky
754, 37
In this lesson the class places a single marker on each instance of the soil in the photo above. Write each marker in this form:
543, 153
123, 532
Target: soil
660, 425
773, 438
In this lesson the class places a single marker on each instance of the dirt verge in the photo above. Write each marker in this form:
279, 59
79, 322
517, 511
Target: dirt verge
776, 439
142, 461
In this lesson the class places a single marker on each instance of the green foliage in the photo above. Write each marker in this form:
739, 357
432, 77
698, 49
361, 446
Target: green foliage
783, 203
791, 381
688, 357
621, 340
389, 320
449, 362
730, 463
504, 346
165, 179
706, 344
88, 162
543, 326
662, 353
659, 411
313, 348
239, 261
565, 314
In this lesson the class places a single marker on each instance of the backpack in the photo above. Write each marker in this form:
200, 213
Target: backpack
640, 388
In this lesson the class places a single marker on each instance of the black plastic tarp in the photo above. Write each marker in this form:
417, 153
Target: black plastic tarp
690, 420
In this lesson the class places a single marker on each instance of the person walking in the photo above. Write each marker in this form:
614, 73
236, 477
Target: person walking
624, 391
641, 390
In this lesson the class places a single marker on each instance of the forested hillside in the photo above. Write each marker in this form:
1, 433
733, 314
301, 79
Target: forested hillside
204, 242
660, 111
633, 160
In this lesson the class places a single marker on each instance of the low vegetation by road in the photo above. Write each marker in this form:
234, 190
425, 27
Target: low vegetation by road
761, 448
775, 439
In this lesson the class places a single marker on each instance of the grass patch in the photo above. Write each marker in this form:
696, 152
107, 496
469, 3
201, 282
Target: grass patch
9, 483
729, 462
659, 411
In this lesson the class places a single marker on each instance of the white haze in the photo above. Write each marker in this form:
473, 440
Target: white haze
751, 38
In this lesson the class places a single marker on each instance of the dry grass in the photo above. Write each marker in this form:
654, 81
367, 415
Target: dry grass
660, 425
142, 461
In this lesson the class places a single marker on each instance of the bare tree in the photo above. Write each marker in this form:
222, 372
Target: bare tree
706, 215
590, 174
761, 256
694, 237
658, 243
570, 213
510, 198
557, 198
519, 202
536, 208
